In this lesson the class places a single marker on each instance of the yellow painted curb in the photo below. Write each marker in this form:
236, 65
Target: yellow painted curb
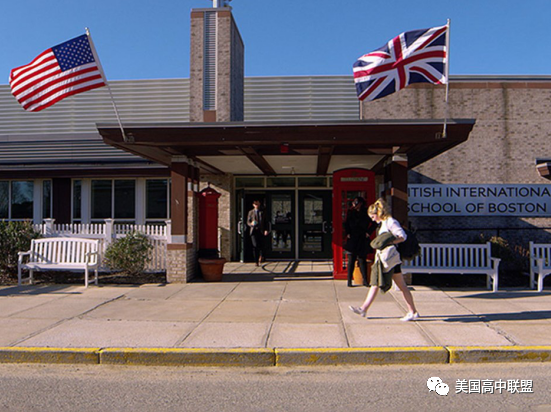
261, 357
49, 355
483, 354
361, 356
188, 357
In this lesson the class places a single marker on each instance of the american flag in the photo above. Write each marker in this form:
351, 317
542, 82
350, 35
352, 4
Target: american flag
417, 56
62, 71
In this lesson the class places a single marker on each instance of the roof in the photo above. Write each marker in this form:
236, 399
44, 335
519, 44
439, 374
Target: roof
273, 148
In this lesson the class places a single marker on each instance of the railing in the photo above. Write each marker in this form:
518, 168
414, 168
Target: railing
158, 236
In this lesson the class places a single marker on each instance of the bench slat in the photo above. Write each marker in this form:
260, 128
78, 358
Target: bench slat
73, 252
540, 264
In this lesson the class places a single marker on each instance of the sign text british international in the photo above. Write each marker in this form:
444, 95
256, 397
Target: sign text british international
479, 200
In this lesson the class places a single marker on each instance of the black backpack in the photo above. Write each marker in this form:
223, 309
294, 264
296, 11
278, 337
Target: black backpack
409, 249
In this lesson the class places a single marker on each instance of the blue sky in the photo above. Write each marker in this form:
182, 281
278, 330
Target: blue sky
149, 39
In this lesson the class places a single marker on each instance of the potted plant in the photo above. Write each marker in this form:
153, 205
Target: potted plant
211, 264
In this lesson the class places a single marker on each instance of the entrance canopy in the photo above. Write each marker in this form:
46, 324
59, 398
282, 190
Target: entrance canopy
274, 148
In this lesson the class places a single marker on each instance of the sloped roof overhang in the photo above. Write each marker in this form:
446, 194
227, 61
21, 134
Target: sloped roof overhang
543, 166
266, 145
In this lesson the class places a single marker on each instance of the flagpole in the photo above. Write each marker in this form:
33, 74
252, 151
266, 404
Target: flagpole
124, 138
447, 74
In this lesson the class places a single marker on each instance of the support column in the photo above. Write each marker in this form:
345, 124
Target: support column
178, 205
396, 182
398, 171
193, 212
180, 256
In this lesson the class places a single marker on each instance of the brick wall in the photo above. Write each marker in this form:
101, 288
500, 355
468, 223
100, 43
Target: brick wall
223, 73
196, 67
178, 268
513, 123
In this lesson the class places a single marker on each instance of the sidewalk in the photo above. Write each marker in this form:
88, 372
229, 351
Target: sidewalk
280, 311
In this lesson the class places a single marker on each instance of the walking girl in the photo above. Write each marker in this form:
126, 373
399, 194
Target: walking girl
387, 263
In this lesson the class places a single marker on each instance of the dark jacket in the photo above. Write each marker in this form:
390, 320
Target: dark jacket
379, 277
261, 225
383, 240
357, 227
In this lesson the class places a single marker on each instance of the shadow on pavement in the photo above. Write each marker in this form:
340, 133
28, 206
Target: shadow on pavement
507, 295
39, 290
276, 271
495, 317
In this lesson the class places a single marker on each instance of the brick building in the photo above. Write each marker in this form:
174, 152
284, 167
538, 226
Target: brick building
281, 139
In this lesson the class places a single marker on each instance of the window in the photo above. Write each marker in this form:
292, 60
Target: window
22, 193
113, 199
102, 199
4, 200
281, 182
249, 182
18, 198
156, 194
77, 199
125, 199
312, 182
46, 199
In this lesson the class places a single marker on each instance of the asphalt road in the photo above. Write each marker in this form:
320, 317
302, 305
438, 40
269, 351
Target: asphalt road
29, 388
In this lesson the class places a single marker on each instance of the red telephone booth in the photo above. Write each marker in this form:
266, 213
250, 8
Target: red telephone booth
208, 219
347, 184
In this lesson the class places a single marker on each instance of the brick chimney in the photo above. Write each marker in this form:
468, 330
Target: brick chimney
216, 66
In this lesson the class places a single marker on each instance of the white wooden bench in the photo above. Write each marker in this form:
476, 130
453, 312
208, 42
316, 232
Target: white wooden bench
463, 259
59, 253
540, 264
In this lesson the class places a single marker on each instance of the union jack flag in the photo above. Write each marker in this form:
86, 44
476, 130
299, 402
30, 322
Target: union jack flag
417, 56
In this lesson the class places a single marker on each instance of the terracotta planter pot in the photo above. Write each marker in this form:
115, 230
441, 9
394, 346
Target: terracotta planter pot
212, 269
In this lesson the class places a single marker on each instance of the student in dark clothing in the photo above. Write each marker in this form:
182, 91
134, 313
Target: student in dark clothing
259, 230
358, 227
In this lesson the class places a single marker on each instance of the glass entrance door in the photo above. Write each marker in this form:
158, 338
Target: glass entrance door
244, 243
280, 209
315, 225
299, 224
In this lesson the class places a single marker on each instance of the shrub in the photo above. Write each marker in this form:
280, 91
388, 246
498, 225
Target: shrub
129, 254
14, 237
514, 257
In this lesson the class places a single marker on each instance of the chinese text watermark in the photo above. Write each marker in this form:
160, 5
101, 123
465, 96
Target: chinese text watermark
482, 386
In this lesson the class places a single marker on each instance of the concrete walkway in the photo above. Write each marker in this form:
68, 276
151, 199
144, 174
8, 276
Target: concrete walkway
282, 306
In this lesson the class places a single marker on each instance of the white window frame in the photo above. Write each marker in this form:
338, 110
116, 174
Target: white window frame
140, 200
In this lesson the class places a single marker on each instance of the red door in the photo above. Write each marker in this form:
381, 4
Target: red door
347, 184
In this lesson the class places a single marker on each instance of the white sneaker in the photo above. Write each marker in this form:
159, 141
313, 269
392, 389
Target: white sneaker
410, 316
357, 311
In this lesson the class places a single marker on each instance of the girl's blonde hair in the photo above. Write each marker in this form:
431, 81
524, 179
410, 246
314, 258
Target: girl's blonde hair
380, 208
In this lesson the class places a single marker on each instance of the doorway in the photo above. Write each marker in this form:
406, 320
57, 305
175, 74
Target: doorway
299, 223
347, 184
314, 225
